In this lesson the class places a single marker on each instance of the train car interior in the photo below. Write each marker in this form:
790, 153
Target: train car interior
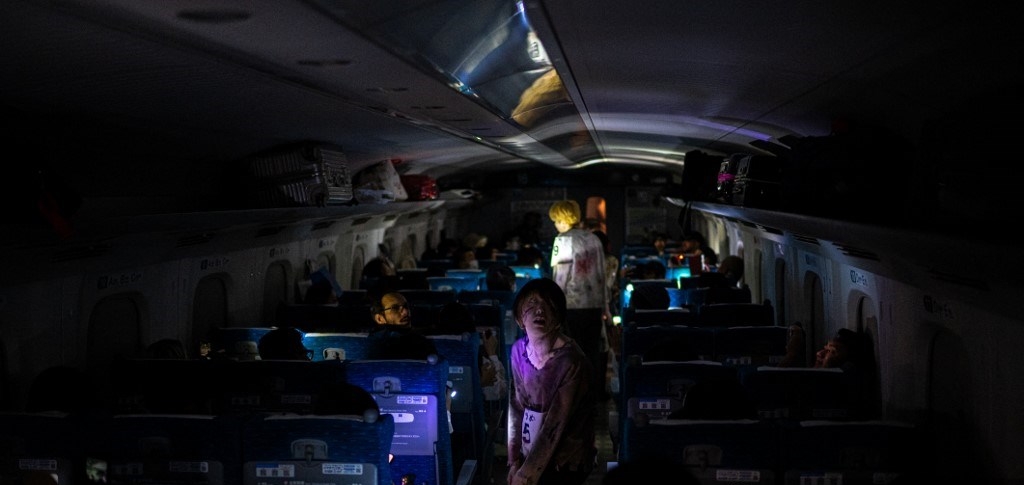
203, 171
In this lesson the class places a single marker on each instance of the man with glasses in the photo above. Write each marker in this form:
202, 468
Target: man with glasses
393, 309
395, 337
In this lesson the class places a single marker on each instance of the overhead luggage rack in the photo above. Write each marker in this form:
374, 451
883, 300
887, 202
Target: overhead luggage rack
309, 174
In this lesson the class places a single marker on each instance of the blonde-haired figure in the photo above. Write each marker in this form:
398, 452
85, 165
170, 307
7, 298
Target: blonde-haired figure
577, 266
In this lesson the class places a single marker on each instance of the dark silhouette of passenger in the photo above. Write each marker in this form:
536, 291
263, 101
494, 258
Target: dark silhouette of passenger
167, 348
852, 351
283, 343
500, 278
695, 244
62, 389
732, 268
346, 398
530, 256
320, 293
649, 297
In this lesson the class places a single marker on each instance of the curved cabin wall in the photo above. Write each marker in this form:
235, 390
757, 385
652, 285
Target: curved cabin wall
947, 329
124, 283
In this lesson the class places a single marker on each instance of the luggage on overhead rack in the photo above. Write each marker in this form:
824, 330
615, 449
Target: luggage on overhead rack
420, 187
699, 181
727, 177
758, 182
380, 183
308, 174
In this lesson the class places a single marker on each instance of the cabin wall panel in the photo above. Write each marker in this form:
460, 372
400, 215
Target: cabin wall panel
159, 291
34, 336
245, 295
343, 248
904, 335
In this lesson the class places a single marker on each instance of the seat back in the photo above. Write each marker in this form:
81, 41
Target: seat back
282, 449
428, 297
337, 346
237, 343
750, 347
166, 385
468, 408
716, 452
276, 385
41, 448
168, 448
800, 393
855, 452
736, 314
629, 286
350, 316
413, 392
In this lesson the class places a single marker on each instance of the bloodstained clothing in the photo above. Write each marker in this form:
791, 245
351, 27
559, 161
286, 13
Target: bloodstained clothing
551, 413
577, 265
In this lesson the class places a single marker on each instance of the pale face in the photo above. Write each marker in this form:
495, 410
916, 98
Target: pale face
537, 316
562, 226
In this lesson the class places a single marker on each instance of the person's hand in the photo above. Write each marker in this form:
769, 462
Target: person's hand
490, 343
488, 374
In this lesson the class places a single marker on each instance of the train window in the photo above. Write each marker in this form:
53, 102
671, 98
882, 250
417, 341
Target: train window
358, 261
209, 306
755, 283
113, 331
406, 258
276, 288
780, 292
814, 299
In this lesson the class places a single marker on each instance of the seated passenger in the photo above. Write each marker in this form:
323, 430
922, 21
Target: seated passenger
346, 398
376, 270
322, 290
852, 352
500, 277
394, 336
283, 343
694, 244
649, 270
530, 256
320, 294
794, 347
465, 258
167, 348
732, 268
649, 297
842, 350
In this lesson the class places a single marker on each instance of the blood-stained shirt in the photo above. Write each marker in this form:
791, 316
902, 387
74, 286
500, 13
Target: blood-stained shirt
577, 265
551, 412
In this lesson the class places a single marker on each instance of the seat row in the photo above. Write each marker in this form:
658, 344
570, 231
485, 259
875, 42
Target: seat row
239, 449
782, 453
412, 393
